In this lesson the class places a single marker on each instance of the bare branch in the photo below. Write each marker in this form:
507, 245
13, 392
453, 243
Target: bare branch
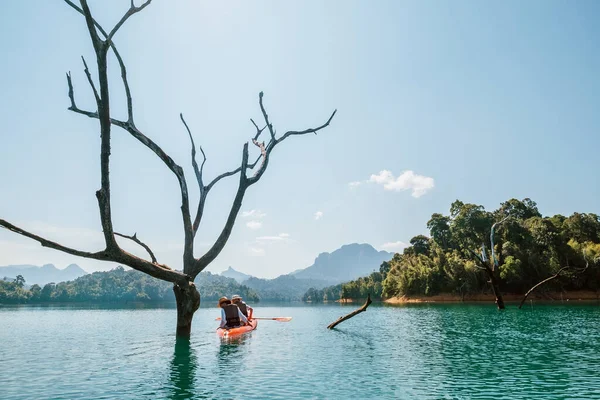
263, 155
541, 283
214, 251
479, 260
119, 59
115, 255
132, 10
99, 255
476, 256
85, 10
167, 160
204, 193
265, 116
274, 141
103, 195
130, 127
71, 95
156, 270
258, 130
197, 171
90, 80
178, 171
138, 241
587, 264
494, 260
74, 107
252, 165
230, 173
352, 314
310, 130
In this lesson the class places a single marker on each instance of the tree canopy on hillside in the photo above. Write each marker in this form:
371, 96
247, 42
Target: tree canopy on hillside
528, 248
118, 285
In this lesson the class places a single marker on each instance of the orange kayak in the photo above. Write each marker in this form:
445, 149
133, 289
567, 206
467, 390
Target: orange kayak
231, 332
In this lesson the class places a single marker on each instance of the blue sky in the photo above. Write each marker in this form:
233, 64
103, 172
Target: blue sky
469, 100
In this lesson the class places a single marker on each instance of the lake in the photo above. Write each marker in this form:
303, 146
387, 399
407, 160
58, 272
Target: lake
452, 351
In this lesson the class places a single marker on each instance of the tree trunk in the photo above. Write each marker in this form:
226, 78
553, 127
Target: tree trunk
496, 289
188, 301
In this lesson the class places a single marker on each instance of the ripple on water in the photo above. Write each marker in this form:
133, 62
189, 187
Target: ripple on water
423, 351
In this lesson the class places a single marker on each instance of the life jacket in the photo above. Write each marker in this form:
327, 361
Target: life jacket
232, 315
242, 306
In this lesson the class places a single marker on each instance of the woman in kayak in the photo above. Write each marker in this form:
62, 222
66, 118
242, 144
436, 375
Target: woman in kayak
231, 316
244, 308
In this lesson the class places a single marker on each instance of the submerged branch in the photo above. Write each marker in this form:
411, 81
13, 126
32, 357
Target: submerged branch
352, 314
587, 264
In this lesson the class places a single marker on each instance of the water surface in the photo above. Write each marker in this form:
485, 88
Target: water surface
420, 351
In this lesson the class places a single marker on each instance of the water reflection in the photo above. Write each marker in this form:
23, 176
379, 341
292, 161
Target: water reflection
357, 340
183, 370
231, 351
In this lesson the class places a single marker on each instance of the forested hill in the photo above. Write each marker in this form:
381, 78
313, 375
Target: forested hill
118, 285
529, 248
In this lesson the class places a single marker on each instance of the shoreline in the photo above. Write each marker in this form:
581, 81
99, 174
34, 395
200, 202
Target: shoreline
545, 297
549, 297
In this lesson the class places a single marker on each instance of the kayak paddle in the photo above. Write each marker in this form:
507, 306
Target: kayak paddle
279, 319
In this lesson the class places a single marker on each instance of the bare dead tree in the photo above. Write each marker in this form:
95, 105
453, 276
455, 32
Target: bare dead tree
186, 294
566, 268
490, 266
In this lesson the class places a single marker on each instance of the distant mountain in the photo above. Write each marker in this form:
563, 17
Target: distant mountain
238, 276
347, 263
284, 287
42, 275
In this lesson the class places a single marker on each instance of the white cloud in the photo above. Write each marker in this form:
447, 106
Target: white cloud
271, 239
256, 214
318, 215
395, 246
257, 251
418, 184
254, 225
355, 184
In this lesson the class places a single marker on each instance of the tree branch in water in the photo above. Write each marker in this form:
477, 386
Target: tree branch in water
352, 314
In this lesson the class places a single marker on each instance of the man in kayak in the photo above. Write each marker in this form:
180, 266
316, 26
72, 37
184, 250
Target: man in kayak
244, 308
231, 316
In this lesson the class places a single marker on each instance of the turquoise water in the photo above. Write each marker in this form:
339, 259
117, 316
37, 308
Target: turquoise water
421, 352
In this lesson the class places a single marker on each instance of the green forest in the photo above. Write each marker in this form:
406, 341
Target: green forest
117, 285
528, 248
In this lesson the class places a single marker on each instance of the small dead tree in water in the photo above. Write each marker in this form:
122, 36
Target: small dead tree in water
534, 287
186, 294
352, 314
491, 267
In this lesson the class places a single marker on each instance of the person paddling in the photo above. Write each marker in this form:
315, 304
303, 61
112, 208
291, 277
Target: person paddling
244, 308
231, 315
